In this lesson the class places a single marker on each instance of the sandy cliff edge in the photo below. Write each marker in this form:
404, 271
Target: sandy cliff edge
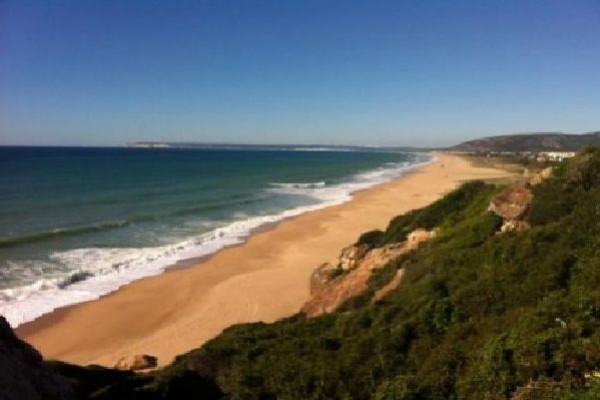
264, 279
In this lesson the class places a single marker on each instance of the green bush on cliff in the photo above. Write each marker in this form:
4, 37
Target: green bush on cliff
470, 198
479, 315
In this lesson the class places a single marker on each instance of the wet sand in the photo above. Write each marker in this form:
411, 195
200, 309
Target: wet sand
264, 279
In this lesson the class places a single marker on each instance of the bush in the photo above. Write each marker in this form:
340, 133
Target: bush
372, 238
479, 315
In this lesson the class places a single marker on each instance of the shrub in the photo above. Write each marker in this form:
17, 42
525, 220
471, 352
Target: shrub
479, 315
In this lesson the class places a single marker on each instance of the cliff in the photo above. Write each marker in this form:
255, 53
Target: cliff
473, 312
333, 284
23, 373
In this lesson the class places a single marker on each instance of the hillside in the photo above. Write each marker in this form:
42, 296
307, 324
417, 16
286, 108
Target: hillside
530, 142
503, 302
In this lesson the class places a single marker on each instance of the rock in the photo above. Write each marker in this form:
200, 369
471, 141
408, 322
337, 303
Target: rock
328, 296
512, 203
380, 256
512, 225
420, 235
541, 176
322, 275
351, 255
136, 362
23, 373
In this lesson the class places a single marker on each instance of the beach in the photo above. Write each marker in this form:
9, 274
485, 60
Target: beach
264, 279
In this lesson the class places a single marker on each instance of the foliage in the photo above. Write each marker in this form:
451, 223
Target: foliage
479, 315
372, 238
446, 211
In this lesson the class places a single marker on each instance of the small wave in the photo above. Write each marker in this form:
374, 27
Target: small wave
94, 272
99, 271
108, 225
299, 185
341, 192
59, 232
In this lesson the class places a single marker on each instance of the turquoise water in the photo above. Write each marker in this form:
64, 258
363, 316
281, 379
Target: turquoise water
76, 223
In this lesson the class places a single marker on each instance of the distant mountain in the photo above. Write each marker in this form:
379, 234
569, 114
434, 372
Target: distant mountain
531, 142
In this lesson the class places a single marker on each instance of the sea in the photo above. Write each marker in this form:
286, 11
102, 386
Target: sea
78, 223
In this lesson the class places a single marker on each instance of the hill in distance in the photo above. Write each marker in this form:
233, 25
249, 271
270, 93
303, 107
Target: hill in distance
530, 142
533, 142
266, 147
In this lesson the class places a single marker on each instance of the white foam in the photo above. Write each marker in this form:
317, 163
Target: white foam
95, 272
299, 185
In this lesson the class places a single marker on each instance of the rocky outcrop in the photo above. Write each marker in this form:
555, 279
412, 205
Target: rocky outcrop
322, 275
511, 204
23, 373
136, 362
351, 255
347, 261
331, 286
540, 176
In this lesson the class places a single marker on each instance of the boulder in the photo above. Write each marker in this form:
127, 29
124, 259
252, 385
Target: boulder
511, 203
136, 362
351, 255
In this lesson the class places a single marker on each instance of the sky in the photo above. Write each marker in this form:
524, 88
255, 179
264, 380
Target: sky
412, 73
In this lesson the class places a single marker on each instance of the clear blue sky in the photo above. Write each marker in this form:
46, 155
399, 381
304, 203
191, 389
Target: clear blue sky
397, 72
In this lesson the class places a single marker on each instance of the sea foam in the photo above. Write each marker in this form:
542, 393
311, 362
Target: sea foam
94, 272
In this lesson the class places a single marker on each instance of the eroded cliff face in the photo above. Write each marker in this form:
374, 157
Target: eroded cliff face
333, 283
541, 176
511, 205
23, 374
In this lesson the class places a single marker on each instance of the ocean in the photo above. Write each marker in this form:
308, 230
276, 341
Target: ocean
78, 223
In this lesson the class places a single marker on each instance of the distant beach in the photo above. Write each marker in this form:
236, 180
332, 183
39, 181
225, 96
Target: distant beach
78, 223
263, 279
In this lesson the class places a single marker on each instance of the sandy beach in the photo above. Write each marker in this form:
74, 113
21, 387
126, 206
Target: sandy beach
264, 279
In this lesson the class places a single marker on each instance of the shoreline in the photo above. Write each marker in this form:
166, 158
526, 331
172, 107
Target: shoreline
30, 304
42, 320
262, 279
269, 226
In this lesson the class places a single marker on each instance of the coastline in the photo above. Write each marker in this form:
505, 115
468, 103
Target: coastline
92, 272
263, 279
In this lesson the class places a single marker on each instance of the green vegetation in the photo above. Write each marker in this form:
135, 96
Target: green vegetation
470, 198
531, 142
479, 315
